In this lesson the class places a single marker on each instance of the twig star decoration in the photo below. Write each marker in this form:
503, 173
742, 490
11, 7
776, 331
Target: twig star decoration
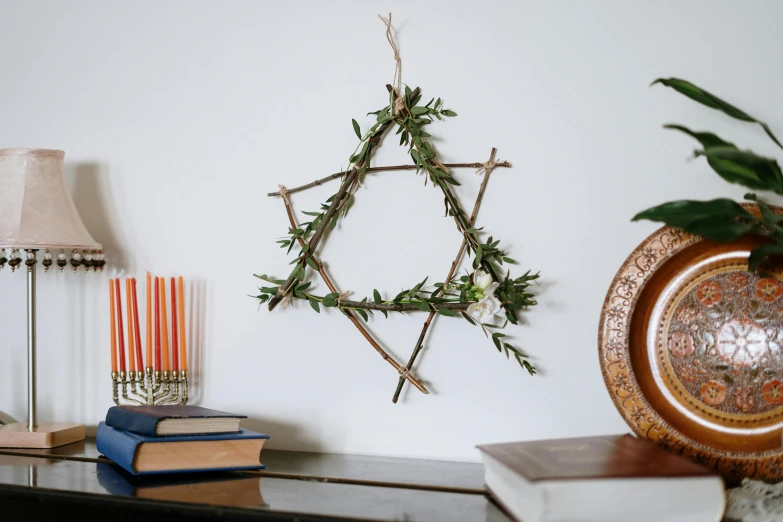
481, 297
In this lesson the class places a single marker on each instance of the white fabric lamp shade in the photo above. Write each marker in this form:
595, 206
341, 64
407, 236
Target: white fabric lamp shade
36, 209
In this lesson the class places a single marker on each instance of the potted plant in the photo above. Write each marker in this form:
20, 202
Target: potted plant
723, 219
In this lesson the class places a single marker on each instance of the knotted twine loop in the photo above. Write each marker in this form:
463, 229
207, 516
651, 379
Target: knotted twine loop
342, 296
404, 372
488, 166
399, 103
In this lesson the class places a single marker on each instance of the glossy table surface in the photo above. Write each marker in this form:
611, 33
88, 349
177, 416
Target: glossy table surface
295, 486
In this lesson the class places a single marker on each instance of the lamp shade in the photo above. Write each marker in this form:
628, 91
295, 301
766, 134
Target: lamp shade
37, 211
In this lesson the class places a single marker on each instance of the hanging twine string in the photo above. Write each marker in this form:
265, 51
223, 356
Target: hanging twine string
399, 104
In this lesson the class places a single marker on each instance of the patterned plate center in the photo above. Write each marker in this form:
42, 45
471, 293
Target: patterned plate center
720, 342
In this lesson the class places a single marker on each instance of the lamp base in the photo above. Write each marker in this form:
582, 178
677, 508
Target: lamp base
45, 435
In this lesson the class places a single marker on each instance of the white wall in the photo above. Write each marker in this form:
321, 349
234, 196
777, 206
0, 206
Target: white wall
177, 117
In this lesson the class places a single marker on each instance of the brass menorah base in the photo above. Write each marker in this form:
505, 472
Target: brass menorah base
152, 388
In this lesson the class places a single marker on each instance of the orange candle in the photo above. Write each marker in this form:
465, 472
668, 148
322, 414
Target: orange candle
149, 321
113, 327
164, 326
136, 327
131, 340
174, 332
183, 351
120, 334
157, 324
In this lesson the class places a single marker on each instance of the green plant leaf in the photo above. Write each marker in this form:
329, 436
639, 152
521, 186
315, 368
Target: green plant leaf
298, 272
447, 312
710, 100
311, 262
468, 318
363, 314
357, 129
744, 167
422, 305
767, 213
758, 254
377, 297
707, 139
314, 304
717, 219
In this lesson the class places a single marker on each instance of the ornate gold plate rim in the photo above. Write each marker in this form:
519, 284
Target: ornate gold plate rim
617, 366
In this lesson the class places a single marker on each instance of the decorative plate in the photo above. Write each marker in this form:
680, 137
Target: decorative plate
691, 350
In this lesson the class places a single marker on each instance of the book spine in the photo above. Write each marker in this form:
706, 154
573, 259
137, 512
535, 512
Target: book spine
117, 446
128, 420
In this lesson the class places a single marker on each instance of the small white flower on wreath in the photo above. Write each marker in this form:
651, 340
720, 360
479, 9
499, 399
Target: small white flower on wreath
488, 306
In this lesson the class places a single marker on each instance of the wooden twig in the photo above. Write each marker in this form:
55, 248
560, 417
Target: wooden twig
399, 307
407, 375
317, 235
333, 207
417, 383
488, 169
338, 175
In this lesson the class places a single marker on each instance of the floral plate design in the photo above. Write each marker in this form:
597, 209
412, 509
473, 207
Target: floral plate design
691, 350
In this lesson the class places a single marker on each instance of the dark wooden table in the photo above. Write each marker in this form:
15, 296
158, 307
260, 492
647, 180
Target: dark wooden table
76, 479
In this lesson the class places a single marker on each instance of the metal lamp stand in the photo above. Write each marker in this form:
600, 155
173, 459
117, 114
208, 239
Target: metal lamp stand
32, 434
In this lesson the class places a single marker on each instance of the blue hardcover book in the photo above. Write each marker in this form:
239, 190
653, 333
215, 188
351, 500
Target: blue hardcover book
143, 455
157, 421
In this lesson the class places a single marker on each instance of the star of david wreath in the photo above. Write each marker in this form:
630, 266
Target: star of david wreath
479, 297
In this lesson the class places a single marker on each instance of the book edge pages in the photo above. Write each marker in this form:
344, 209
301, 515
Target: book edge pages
139, 464
196, 425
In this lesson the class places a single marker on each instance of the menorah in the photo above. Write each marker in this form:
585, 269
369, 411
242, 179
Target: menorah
154, 383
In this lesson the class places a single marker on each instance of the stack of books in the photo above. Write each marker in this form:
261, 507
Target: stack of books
175, 439
606, 478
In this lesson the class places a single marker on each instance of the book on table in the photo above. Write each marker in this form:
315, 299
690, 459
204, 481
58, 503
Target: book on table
609, 478
172, 420
141, 454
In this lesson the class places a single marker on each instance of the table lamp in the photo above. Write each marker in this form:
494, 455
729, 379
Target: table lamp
39, 219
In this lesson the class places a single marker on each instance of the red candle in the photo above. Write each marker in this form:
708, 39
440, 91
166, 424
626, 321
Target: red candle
113, 318
157, 324
121, 335
174, 332
136, 328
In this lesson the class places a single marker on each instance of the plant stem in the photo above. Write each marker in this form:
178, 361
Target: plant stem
416, 382
452, 270
337, 175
